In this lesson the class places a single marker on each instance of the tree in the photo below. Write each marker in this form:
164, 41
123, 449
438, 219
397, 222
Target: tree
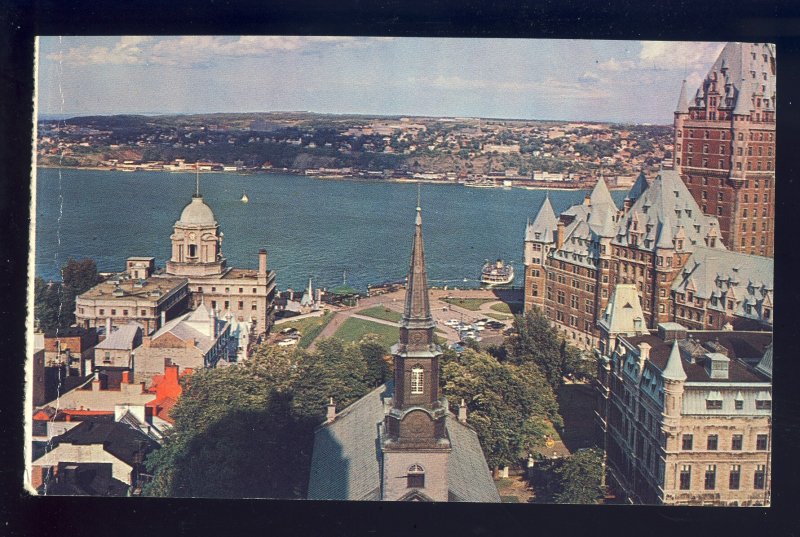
579, 477
235, 435
332, 370
54, 303
507, 405
378, 369
536, 341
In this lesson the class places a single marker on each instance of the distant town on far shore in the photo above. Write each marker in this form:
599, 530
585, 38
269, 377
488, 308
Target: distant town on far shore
471, 151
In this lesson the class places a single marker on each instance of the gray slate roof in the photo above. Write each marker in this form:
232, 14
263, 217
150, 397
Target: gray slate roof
346, 462
123, 337
544, 224
666, 203
723, 274
740, 71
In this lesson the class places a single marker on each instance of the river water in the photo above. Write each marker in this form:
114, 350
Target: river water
310, 227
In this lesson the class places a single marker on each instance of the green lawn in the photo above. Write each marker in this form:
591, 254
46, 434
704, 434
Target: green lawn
383, 313
352, 330
499, 316
513, 308
473, 304
309, 328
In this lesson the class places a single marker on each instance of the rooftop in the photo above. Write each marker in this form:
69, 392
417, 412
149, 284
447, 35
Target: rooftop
121, 288
741, 347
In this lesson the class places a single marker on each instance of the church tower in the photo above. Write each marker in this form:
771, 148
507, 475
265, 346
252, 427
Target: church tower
196, 241
415, 442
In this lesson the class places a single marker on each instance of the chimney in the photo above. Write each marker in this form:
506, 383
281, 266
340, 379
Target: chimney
108, 326
560, 234
644, 355
462, 412
96, 382
126, 377
331, 412
163, 318
213, 321
262, 262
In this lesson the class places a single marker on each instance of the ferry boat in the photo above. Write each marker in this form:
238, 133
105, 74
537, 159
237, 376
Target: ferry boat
245, 199
497, 273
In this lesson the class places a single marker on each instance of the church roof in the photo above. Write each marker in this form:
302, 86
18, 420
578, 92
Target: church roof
346, 461
197, 213
417, 310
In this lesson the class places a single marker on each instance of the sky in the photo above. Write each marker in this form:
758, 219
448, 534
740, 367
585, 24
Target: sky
574, 80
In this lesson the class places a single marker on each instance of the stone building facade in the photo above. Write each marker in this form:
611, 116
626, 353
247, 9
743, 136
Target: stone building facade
661, 242
685, 416
247, 295
122, 299
725, 145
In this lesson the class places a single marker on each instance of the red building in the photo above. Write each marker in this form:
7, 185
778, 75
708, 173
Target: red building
725, 145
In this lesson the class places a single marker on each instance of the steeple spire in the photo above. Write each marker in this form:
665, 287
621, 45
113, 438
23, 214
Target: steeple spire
417, 311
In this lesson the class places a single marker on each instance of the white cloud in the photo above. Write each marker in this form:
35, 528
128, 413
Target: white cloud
614, 65
678, 54
199, 50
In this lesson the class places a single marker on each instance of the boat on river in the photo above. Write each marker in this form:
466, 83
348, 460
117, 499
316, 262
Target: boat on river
497, 273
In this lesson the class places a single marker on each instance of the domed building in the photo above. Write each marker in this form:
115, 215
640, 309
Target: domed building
245, 295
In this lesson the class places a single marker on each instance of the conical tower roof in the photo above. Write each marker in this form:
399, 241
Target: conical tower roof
674, 369
683, 101
545, 222
600, 194
417, 311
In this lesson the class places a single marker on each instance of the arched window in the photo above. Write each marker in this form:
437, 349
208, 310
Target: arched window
416, 477
192, 250
417, 380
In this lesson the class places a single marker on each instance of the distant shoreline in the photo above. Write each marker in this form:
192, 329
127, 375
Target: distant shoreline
353, 178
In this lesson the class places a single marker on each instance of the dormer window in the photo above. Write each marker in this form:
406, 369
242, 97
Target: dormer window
417, 379
416, 477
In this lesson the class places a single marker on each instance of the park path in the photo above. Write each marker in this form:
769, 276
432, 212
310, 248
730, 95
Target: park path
342, 315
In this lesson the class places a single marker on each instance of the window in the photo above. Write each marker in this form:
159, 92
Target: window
125, 312
713, 404
102, 311
227, 305
241, 290
144, 312
213, 289
254, 290
192, 250
213, 304
736, 442
711, 477
686, 442
759, 477
763, 405
761, 442
241, 305
417, 378
733, 479
686, 477
712, 442
254, 305
113, 312
416, 477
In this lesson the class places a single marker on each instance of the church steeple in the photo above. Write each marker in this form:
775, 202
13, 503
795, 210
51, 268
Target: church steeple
416, 327
414, 434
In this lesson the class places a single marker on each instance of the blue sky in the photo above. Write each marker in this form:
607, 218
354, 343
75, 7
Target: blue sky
623, 81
